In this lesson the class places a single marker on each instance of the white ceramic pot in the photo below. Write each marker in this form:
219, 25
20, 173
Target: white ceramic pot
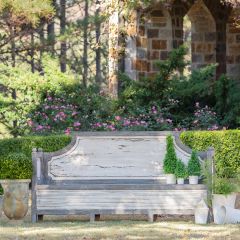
201, 213
193, 180
170, 179
219, 203
180, 181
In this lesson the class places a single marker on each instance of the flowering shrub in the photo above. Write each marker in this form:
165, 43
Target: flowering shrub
205, 118
57, 114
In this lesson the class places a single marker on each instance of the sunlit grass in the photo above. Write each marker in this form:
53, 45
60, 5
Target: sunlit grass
115, 230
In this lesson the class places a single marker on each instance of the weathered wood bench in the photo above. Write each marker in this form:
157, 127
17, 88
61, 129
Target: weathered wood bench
111, 173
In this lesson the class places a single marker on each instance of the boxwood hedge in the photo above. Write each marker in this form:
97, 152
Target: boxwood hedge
226, 144
18, 151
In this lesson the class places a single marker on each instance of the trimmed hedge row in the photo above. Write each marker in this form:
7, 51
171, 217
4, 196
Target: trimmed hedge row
226, 144
17, 152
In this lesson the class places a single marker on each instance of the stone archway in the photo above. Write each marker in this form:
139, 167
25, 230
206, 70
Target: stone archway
203, 35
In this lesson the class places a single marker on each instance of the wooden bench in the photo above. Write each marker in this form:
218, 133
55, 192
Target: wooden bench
111, 173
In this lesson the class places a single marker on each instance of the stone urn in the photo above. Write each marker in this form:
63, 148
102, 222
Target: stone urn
15, 198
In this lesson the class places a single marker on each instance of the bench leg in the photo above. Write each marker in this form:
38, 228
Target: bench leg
34, 218
92, 217
152, 217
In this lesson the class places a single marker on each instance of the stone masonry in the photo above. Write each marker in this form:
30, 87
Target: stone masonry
154, 31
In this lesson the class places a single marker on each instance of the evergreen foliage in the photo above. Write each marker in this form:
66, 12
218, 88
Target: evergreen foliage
194, 167
170, 159
180, 171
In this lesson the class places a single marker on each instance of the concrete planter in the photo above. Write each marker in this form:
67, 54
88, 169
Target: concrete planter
15, 199
193, 180
220, 204
180, 181
171, 179
201, 213
232, 215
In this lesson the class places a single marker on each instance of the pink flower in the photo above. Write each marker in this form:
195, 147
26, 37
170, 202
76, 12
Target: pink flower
67, 131
39, 128
77, 124
30, 123
74, 113
118, 118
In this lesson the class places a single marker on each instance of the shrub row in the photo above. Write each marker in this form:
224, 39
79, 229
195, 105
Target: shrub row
15, 153
226, 145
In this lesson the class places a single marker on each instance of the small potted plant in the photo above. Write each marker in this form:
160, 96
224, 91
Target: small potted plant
180, 172
15, 175
170, 162
194, 168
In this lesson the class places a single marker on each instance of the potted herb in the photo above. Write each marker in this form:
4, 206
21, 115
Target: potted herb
170, 161
180, 172
194, 168
15, 175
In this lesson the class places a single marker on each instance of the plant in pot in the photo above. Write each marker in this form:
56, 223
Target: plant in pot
170, 162
221, 196
180, 172
194, 168
223, 201
15, 175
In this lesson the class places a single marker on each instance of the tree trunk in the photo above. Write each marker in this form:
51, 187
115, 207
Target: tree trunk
85, 43
98, 48
32, 53
42, 42
51, 31
63, 54
13, 58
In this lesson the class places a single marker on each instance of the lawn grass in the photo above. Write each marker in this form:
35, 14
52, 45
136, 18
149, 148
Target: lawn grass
111, 230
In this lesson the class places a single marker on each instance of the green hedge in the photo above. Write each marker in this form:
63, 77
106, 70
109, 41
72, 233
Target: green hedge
226, 144
19, 152
16, 166
26, 144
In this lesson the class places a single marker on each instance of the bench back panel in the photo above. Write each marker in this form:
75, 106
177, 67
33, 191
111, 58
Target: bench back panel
110, 157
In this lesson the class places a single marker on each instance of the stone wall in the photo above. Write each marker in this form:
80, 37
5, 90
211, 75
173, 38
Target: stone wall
233, 48
155, 31
152, 43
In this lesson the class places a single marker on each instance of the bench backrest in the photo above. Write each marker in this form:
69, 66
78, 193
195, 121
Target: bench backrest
102, 156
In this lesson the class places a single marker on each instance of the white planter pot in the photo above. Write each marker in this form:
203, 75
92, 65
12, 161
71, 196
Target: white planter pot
220, 202
170, 179
193, 180
232, 215
180, 181
201, 213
